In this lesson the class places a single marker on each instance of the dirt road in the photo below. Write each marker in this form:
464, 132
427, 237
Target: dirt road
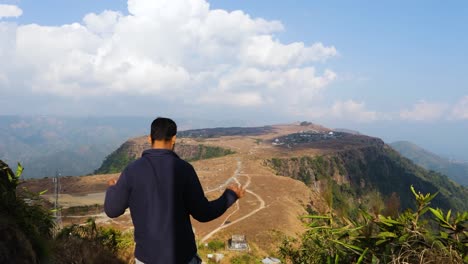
258, 197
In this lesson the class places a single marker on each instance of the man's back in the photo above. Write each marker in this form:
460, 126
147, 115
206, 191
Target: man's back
162, 191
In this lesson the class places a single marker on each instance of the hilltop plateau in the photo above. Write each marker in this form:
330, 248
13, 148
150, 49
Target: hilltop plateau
289, 171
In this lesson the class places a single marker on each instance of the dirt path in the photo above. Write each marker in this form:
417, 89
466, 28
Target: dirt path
102, 217
224, 224
228, 181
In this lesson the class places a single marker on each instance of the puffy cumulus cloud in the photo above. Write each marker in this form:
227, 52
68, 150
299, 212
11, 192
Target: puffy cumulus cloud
265, 51
167, 49
424, 111
352, 110
460, 110
255, 87
10, 11
102, 23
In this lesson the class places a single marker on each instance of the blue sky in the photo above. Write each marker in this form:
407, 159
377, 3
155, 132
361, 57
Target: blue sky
395, 68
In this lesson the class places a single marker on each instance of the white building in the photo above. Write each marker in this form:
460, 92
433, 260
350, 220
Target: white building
271, 260
238, 243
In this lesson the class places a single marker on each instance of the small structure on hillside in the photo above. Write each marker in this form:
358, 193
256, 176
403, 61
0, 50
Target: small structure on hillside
271, 260
216, 257
238, 243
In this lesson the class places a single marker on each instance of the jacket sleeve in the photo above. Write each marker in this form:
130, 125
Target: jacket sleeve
117, 196
199, 207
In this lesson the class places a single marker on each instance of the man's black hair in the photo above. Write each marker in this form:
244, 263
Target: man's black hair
163, 129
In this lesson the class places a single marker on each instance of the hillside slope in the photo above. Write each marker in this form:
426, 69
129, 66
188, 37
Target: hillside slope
132, 149
363, 170
428, 160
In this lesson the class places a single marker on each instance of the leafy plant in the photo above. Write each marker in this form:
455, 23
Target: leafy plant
23, 217
412, 237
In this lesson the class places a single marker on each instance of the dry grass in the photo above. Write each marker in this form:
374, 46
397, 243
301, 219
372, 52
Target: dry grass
285, 199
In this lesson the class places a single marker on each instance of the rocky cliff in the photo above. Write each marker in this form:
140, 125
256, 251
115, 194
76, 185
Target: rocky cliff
375, 167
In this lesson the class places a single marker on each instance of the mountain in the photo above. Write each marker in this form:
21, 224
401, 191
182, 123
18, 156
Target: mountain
132, 149
289, 171
358, 164
348, 162
456, 171
70, 145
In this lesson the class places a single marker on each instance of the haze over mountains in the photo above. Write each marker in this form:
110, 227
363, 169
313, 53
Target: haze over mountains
456, 170
70, 145
73, 145
78, 145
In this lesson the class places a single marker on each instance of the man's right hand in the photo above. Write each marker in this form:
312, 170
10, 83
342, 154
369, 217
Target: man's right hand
239, 190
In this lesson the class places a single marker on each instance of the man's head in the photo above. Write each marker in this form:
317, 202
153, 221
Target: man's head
163, 133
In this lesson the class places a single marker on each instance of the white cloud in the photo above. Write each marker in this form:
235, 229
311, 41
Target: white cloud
424, 111
264, 51
10, 11
170, 49
353, 111
460, 110
293, 87
102, 23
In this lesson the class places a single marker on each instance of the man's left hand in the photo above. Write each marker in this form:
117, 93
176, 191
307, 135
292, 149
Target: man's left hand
111, 182
239, 190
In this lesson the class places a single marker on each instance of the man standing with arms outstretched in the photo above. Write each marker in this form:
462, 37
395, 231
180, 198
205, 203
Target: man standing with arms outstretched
162, 191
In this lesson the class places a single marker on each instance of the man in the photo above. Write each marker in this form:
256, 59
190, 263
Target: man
162, 191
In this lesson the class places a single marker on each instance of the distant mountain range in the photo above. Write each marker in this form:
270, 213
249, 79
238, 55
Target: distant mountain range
457, 171
69, 145
72, 146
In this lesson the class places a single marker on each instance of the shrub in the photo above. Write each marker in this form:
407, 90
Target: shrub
216, 245
412, 237
91, 244
25, 228
243, 259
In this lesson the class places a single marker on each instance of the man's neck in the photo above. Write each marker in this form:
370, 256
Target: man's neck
162, 145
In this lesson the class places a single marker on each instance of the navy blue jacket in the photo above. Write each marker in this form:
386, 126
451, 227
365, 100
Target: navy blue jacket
162, 191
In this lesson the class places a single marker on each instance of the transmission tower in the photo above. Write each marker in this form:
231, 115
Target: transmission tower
57, 210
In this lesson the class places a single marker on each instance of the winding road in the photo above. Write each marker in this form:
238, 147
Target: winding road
102, 217
259, 198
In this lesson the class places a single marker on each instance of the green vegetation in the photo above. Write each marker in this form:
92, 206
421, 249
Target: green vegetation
25, 225
430, 161
27, 231
92, 244
306, 169
216, 245
224, 131
120, 158
244, 259
423, 235
115, 162
208, 152
370, 169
